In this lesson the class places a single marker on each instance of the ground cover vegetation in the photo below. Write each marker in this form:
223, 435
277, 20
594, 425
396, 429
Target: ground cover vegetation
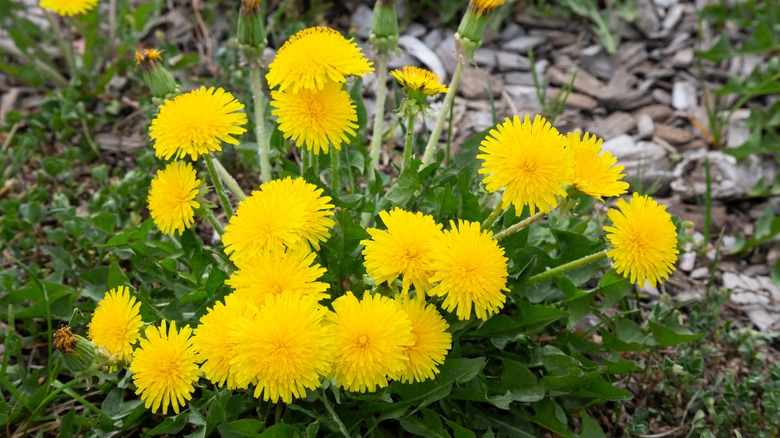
251, 265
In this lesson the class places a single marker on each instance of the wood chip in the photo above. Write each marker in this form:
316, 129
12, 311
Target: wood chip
615, 124
657, 112
673, 135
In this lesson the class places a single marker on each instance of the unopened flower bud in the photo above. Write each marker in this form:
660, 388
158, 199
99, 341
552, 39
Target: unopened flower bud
157, 77
384, 27
472, 27
79, 355
251, 29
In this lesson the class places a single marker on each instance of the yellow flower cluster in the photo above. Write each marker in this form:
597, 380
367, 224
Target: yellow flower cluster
311, 104
534, 165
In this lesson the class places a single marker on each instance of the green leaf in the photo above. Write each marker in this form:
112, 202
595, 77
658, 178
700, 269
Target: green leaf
428, 425
171, 425
590, 429
241, 428
281, 430
459, 431
668, 337
597, 388
404, 187
520, 382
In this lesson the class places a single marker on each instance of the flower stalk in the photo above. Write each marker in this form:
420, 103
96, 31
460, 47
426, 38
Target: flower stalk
546, 275
433, 140
229, 181
218, 187
334, 171
409, 145
499, 208
263, 147
379, 119
519, 226
207, 214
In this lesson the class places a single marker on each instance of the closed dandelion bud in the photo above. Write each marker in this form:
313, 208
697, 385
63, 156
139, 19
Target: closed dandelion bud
384, 27
79, 355
472, 27
251, 28
157, 77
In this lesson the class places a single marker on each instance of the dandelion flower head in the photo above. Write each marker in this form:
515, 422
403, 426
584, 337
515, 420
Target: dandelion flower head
116, 325
481, 6
415, 79
274, 271
404, 249
282, 213
316, 118
432, 341
210, 343
69, 8
595, 173
371, 337
471, 271
164, 368
172, 201
313, 57
644, 240
284, 348
195, 123
529, 161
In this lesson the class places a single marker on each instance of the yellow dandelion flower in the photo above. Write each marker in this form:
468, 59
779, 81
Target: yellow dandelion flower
432, 341
116, 325
214, 350
195, 123
529, 161
284, 349
172, 201
371, 337
313, 57
69, 8
481, 6
644, 240
404, 249
595, 175
147, 57
316, 118
282, 213
164, 368
471, 270
415, 79
274, 271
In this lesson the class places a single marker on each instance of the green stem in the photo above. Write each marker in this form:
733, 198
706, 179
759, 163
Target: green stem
207, 214
493, 215
218, 187
409, 141
229, 181
433, 141
263, 147
546, 275
65, 41
519, 226
333, 414
334, 171
42, 66
379, 119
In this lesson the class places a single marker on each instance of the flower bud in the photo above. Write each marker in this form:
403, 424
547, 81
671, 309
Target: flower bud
156, 76
472, 27
384, 27
251, 29
79, 355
